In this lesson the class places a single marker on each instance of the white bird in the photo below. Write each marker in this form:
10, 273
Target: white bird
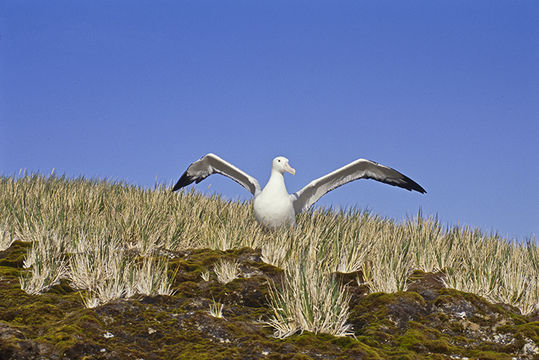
274, 206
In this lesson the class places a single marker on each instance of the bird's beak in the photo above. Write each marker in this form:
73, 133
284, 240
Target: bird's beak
290, 169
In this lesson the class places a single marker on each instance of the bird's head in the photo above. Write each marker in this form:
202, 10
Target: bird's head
280, 164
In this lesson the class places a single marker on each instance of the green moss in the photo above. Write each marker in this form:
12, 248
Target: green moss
9, 271
63, 336
14, 255
421, 339
62, 288
528, 330
490, 355
411, 339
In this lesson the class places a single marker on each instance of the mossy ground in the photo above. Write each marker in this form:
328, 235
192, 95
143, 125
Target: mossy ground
428, 321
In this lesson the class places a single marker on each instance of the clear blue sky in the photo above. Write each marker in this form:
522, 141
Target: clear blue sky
447, 92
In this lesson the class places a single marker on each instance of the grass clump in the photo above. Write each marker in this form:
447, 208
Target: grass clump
216, 309
309, 299
6, 238
226, 271
46, 259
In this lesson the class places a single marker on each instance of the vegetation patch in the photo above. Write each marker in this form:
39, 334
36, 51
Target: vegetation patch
95, 270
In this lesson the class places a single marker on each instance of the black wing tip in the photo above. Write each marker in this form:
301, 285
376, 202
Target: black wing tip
184, 181
412, 185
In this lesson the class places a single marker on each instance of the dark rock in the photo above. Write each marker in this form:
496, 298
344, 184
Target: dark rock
426, 284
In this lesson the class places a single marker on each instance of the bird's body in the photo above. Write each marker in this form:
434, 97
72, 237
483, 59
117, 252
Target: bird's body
273, 206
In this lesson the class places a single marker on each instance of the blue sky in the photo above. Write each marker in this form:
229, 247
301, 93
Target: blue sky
447, 92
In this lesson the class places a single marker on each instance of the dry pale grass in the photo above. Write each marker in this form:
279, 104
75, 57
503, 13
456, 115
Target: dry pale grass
226, 271
216, 309
92, 233
309, 298
6, 238
46, 259
205, 275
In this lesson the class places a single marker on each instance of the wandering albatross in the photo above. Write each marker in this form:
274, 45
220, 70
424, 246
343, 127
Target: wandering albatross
274, 206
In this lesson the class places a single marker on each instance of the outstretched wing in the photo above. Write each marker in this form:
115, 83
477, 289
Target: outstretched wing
359, 169
212, 164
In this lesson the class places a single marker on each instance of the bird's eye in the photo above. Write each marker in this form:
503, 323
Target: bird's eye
279, 160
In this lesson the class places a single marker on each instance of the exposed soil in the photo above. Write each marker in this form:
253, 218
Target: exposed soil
428, 321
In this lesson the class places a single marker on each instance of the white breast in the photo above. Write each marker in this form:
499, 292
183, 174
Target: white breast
273, 206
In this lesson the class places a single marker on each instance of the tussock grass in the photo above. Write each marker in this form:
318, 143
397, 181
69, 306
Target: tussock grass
6, 238
205, 275
226, 271
46, 259
105, 238
216, 309
310, 298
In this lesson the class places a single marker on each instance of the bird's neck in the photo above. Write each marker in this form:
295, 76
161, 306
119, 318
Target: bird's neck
276, 182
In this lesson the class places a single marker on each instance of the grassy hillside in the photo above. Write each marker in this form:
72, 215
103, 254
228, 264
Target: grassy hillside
109, 241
